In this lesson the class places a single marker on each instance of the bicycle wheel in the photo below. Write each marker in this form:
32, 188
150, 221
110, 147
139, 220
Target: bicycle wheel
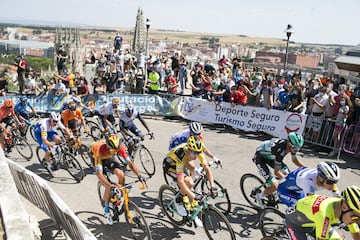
73, 166
272, 223
170, 181
23, 147
221, 200
115, 211
167, 197
95, 133
40, 156
249, 186
85, 155
216, 225
147, 161
137, 222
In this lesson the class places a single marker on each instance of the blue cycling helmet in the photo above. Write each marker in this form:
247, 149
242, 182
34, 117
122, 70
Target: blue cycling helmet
23, 98
129, 108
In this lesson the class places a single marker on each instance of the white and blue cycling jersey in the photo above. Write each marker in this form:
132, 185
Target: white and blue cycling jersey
178, 138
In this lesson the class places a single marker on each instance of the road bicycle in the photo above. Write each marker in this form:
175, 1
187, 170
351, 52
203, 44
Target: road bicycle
30, 127
63, 157
136, 148
120, 203
220, 200
251, 184
14, 139
215, 224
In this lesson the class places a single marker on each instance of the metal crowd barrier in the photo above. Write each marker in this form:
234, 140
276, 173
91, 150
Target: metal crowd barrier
351, 142
324, 137
37, 191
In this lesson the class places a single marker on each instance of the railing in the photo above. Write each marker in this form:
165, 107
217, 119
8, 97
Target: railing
351, 142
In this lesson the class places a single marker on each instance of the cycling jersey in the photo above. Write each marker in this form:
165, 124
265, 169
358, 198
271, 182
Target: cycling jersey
298, 184
176, 160
101, 153
126, 121
44, 130
6, 112
270, 153
181, 137
314, 215
106, 109
68, 115
19, 107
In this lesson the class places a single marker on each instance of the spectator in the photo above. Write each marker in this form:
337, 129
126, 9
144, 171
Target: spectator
61, 57
3, 86
21, 67
172, 84
60, 88
267, 93
30, 85
310, 92
82, 87
320, 102
341, 117
296, 102
153, 81
175, 65
99, 87
140, 81
118, 42
255, 93
182, 73
335, 101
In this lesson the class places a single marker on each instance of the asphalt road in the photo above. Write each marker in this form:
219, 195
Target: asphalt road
234, 148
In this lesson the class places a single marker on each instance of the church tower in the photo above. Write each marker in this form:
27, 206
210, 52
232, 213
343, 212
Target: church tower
139, 40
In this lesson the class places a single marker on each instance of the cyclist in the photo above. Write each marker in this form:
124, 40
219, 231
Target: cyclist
103, 152
71, 116
22, 112
306, 181
107, 113
195, 129
45, 133
272, 153
127, 124
174, 165
7, 116
315, 214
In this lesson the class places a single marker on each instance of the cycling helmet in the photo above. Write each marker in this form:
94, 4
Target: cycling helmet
116, 100
54, 116
129, 108
352, 196
296, 139
23, 98
194, 144
76, 99
8, 103
195, 128
329, 171
113, 141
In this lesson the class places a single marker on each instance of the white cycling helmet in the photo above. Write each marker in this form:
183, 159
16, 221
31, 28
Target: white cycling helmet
329, 171
195, 128
54, 116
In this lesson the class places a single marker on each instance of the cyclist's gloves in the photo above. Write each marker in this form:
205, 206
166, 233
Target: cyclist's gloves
214, 191
142, 179
217, 161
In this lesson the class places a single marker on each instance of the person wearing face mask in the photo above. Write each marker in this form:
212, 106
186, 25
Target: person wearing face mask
335, 102
320, 102
339, 125
296, 102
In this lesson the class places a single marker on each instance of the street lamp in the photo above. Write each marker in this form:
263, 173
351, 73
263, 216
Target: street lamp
147, 24
289, 30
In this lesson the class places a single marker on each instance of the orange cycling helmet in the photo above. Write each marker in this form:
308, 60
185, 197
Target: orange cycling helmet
8, 103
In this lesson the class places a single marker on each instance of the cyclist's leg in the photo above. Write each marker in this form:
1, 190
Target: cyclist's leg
115, 167
132, 127
262, 165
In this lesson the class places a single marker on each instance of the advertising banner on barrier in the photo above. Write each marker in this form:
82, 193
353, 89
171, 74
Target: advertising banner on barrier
274, 122
145, 104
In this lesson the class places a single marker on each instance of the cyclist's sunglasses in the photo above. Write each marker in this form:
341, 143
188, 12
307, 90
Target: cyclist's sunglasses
194, 153
330, 182
296, 148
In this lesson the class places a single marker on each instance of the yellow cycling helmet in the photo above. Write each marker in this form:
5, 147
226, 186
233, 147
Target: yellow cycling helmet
113, 142
352, 196
194, 144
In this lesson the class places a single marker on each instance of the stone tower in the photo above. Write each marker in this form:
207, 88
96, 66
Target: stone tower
70, 39
139, 40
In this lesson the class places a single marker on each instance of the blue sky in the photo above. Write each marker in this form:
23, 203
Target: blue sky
314, 21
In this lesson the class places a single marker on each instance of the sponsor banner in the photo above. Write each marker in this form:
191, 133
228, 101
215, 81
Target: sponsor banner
274, 122
145, 104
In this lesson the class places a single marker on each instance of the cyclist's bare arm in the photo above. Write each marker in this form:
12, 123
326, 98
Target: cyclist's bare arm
209, 174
